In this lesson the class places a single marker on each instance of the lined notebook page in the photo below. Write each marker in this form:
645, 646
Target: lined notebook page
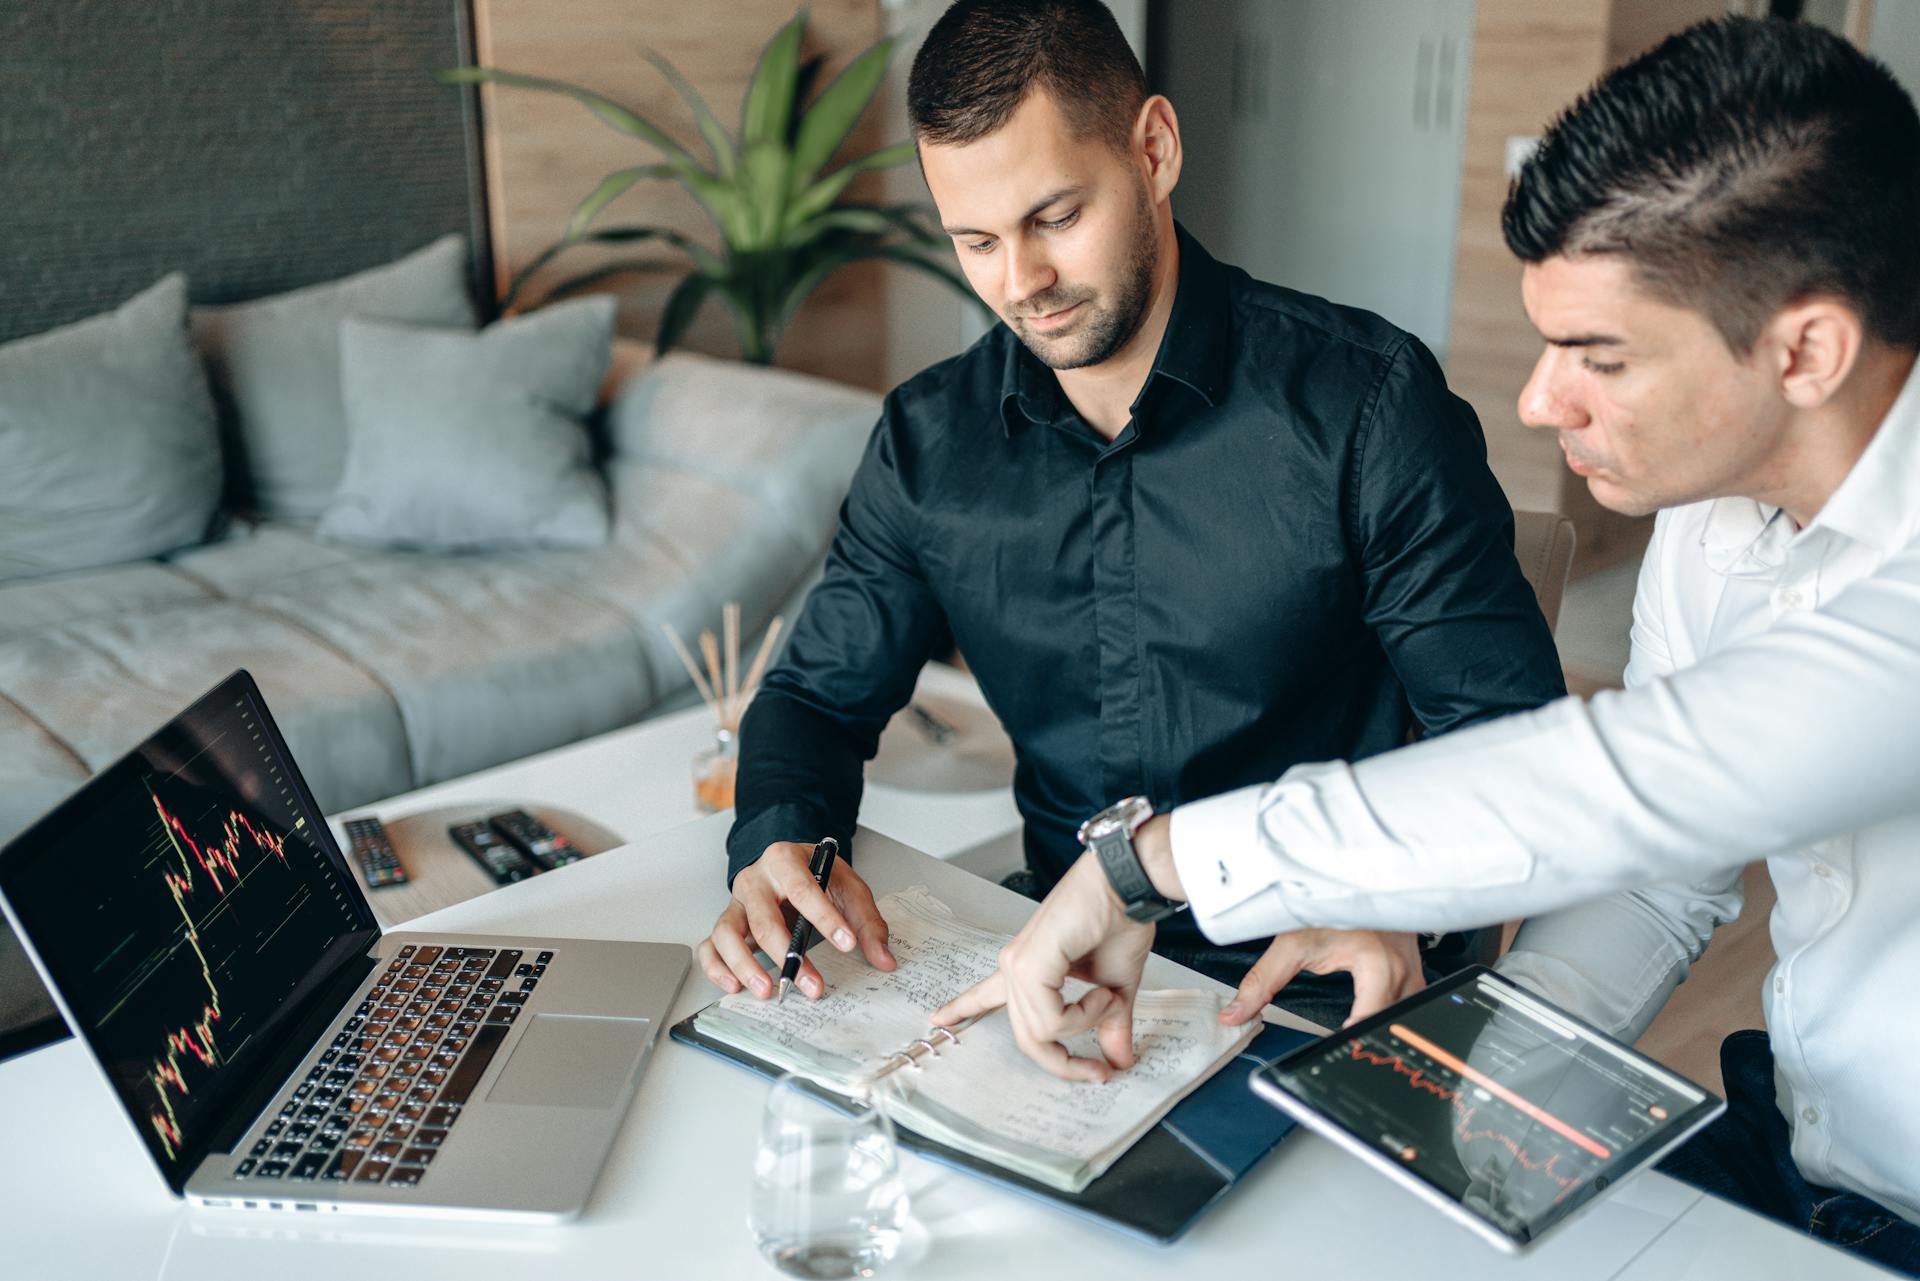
982, 1095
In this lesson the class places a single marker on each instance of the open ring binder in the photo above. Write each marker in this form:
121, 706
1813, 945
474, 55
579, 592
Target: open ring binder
909, 1056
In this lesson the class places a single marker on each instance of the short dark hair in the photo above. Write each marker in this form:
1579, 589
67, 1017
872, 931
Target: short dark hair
1740, 166
984, 57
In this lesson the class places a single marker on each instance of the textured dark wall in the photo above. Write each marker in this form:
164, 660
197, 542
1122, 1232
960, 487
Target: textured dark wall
257, 145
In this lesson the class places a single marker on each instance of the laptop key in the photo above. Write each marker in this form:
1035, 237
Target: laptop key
342, 1165
245, 1168
419, 1156
473, 1064
270, 1169
429, 1137
405, 1176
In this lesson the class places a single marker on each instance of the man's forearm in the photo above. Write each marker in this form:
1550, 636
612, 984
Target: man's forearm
1674, 781
799, 778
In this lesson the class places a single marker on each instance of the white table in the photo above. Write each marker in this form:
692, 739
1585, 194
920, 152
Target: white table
953, 800
78, 1197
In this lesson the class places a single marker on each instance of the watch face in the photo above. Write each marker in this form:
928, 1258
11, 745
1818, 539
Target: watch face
1123, 815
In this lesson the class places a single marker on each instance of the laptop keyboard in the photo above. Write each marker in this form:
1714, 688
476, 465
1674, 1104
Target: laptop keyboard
379, 1104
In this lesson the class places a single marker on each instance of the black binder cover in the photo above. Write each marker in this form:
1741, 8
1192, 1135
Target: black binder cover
1169, 1178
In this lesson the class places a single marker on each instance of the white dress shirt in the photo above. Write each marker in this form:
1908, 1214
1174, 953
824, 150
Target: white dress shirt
1773, 711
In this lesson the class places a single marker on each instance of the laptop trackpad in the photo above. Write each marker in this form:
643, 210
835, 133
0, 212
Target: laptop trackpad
572, 1061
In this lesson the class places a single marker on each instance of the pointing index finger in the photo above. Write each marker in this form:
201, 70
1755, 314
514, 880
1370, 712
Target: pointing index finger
988, 994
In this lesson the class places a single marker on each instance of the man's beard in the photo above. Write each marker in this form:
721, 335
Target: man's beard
1106, 329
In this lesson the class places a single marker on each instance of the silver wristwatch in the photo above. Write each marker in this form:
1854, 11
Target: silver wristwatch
1109, 834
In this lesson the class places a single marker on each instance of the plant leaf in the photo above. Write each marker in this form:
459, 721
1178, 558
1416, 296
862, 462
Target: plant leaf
611, 187
808, 281
764, 170
605, 108
834, 113
701, 255
803, 86
575, 284
682, 305
709, 124
769, 102
817, 197
874, 220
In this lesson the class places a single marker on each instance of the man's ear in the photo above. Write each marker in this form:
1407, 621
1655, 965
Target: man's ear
1816, 343
1156, 140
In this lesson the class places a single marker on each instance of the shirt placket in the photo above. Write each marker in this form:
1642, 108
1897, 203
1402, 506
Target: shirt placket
1116, 623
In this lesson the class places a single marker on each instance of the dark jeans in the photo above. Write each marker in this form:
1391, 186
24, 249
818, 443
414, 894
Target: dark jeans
1744, 1158
1325, 999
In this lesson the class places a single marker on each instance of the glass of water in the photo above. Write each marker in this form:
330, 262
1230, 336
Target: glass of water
828, 1198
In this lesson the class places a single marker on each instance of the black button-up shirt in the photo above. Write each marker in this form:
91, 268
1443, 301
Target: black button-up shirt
1291, 551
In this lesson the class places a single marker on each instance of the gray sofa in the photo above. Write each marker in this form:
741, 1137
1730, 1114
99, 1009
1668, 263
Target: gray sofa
389, 670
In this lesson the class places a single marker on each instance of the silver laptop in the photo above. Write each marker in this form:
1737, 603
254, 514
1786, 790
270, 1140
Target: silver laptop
200, 931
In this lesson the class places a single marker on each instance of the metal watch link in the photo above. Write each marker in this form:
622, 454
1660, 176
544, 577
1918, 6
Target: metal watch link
1109, 834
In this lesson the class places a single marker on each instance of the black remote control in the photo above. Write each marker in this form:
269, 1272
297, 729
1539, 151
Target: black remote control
535, 839
490, 850
367, 842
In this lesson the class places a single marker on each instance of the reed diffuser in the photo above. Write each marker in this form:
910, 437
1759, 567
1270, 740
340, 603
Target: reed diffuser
726, 694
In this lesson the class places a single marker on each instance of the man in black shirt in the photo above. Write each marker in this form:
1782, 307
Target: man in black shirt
1187, 528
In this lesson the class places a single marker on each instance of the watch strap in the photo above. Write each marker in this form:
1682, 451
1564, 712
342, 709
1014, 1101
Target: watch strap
1121, 862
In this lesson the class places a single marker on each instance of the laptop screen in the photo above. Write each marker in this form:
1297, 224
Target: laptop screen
185, 902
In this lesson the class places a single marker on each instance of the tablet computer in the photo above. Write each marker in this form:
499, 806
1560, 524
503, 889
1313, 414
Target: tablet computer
1503, 1111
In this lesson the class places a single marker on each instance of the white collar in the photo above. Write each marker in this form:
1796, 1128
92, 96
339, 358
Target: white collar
1878, 501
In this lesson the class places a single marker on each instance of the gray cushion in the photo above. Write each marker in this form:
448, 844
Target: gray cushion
276, 366
486, 660
789, 440
463, 442
35, 604
100, 685
107, 440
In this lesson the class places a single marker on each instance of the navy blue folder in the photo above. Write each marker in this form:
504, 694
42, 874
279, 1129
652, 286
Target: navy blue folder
1165, 1182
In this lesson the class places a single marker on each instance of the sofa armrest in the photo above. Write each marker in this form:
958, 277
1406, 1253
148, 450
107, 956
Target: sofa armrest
790, 441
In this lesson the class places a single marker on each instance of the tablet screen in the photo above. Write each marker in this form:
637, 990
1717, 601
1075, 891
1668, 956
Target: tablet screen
1512, 1111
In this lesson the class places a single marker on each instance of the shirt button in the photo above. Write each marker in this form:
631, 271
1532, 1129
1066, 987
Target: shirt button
1780, 985
1792, 598
1811, 1116
1822, 871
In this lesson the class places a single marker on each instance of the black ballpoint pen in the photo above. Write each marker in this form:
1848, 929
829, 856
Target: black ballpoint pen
820, 867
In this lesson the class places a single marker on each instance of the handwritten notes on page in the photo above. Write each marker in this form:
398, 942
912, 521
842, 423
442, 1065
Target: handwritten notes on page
982, 1095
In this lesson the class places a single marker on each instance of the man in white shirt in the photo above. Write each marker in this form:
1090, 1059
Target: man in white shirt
1722, 242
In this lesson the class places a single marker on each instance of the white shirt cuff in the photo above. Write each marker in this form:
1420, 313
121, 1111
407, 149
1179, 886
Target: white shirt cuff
1225, 869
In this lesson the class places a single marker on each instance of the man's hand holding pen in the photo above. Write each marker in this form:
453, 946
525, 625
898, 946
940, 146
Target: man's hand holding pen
764, 893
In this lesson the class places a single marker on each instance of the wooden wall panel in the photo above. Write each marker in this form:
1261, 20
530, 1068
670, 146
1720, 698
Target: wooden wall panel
1529, 61
545, 152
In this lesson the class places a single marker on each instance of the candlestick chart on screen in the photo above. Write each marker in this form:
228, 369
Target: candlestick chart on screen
186, 915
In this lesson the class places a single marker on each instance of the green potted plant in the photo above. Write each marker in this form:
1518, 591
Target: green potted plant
783, 224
